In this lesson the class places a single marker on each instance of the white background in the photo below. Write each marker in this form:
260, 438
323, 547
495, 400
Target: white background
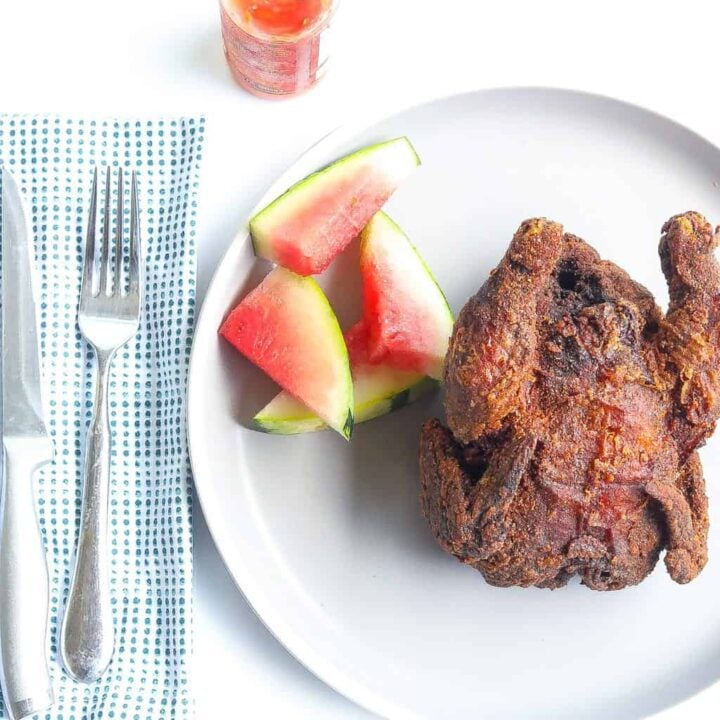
147, 56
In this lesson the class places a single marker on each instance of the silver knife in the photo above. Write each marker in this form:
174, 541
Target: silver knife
26, 685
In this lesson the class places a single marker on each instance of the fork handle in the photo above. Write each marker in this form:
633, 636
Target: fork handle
86, 642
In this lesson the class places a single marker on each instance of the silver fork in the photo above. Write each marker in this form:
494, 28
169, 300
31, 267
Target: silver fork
108, 316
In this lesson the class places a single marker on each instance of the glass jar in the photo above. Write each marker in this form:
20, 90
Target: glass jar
276, 48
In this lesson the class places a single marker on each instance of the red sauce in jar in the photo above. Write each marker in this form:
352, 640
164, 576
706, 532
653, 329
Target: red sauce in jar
276, 48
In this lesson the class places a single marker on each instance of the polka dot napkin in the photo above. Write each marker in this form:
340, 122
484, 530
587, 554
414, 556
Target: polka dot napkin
150, 518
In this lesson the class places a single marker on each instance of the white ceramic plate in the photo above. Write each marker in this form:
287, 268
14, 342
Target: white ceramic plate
326, 538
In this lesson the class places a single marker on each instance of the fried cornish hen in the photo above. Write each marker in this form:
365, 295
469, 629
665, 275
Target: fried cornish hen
575, 409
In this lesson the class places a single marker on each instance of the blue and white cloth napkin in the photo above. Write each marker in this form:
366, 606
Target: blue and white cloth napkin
150, 532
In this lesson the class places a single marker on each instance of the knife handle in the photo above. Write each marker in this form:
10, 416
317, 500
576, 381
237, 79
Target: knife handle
86, 637
26, 685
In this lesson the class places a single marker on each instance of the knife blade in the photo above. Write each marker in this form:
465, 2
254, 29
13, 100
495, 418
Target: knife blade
24, 675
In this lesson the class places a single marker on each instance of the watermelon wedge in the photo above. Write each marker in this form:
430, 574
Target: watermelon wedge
378, 390
408, 318
315, 220
287, 328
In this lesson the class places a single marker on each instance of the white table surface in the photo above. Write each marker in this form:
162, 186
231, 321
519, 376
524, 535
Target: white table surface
149, 56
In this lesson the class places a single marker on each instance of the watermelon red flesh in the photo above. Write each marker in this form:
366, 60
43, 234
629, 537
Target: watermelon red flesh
378, 390
408, 319
287, 327
315, 220
356, 341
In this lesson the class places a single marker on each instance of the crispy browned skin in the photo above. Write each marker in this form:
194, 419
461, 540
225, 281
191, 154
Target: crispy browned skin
575, 410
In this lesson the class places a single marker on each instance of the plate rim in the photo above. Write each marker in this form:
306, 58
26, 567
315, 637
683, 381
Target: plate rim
326, 671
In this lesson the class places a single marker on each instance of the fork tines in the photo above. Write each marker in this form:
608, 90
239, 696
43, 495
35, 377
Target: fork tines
104, 275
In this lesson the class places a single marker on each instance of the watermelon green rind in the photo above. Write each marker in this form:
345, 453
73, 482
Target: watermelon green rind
425, 286
390, 390
305, 299
379, 389
284, 415
396, 400
394, 159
